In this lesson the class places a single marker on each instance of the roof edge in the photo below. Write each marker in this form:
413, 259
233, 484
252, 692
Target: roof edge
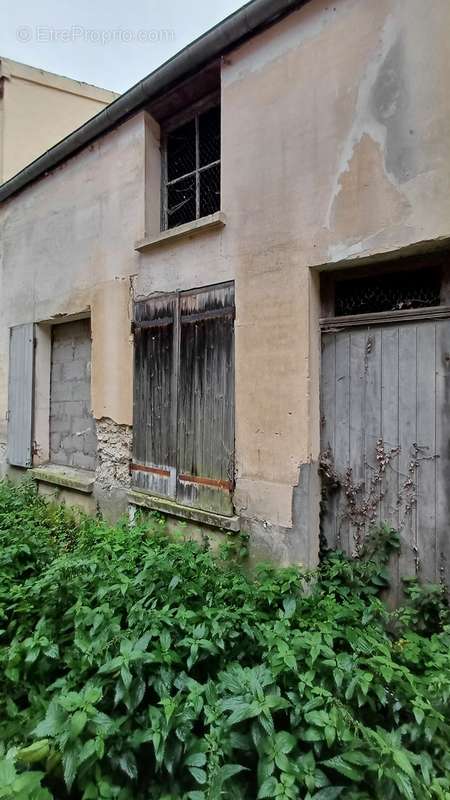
244, 23
44, 77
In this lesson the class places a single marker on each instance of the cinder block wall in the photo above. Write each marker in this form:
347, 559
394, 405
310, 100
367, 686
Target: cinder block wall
73, 440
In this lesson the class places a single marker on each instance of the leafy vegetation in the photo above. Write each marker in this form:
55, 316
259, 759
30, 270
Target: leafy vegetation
134, 666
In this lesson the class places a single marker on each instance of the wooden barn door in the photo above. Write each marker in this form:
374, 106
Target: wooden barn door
385, 437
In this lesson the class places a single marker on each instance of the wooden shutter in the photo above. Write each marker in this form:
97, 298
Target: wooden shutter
154, 430
205, 457
20, 395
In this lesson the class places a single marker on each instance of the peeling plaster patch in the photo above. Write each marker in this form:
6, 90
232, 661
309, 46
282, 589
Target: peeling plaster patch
113, 455
363, 120
390, 101
341, 252
298, 542
387, 91
366, 193
383, 246
131, 294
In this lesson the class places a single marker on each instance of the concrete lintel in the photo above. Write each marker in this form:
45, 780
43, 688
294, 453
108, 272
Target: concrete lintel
170, 507
79, 479
185, 231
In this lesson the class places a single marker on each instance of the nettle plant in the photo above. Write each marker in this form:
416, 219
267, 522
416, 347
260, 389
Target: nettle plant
138, 666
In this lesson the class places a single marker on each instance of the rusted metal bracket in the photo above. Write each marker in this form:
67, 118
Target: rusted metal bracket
165, 473
215, 483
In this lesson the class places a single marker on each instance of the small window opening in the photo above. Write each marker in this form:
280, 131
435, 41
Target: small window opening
192, 169
388, 292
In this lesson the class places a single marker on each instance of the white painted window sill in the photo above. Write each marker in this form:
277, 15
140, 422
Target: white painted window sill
173, 509
186, 231
81, 480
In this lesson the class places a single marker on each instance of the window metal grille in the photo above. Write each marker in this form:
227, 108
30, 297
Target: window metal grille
192, 169
403, 290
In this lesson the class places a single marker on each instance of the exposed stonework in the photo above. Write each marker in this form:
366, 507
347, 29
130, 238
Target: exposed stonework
113, 455
112, 478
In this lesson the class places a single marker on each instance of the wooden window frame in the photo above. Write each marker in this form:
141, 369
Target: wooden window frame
193, 113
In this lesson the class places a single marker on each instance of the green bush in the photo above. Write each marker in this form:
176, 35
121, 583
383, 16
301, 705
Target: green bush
135, 666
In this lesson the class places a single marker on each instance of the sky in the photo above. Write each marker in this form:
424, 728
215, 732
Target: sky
109, 43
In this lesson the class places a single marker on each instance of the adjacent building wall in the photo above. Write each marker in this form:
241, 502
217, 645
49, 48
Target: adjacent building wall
37, 109
335, 147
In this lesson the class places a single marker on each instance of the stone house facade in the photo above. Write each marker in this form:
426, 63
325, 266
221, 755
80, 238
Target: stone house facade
192, 283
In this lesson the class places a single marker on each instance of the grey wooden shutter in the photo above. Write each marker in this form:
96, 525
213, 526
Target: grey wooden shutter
154, 413
20, 395
205, 457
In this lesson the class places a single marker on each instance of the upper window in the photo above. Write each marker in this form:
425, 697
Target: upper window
191, 186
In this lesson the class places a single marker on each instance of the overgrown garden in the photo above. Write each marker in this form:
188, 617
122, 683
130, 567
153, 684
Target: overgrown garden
134, 666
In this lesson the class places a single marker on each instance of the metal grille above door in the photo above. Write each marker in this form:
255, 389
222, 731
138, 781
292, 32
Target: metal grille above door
389, 292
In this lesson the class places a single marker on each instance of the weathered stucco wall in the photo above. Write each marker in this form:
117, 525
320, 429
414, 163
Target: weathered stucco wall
66, 250
352, 147
335, 144
335, 147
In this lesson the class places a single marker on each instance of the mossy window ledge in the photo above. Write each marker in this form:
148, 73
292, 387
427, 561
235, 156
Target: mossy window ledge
80, 480
173, 509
